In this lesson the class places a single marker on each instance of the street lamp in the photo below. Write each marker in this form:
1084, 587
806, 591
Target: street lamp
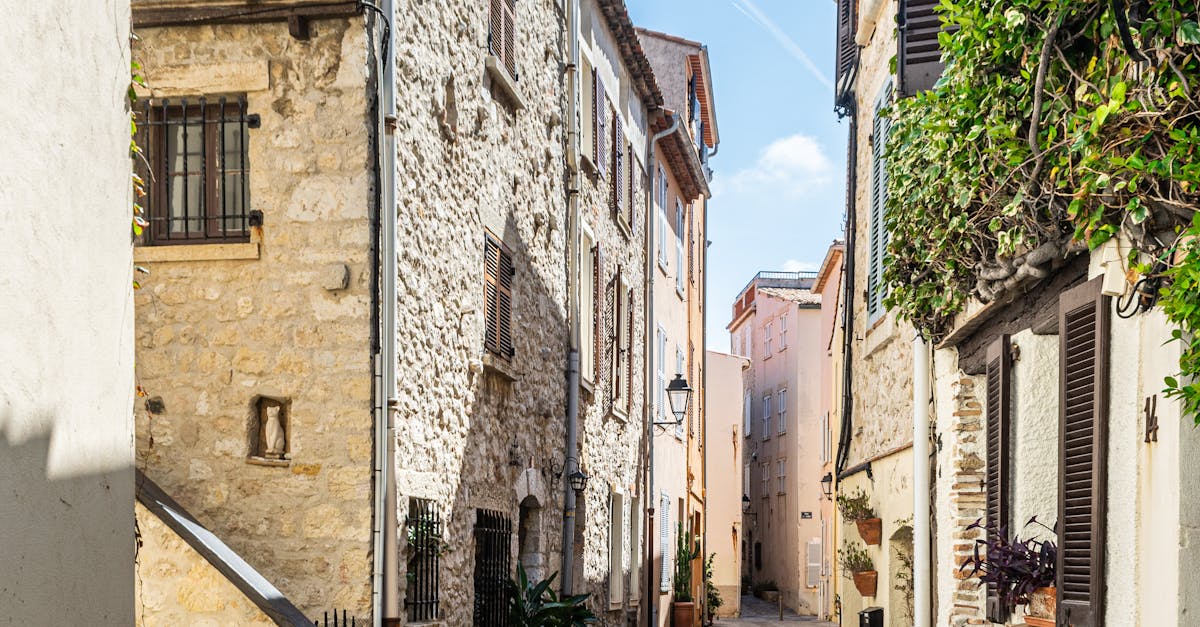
745, 504
578, 480
827, 485
679, 394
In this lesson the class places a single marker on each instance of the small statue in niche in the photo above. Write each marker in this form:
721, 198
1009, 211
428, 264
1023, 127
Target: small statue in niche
272, 434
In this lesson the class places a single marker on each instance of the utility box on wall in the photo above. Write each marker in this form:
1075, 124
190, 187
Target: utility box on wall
871, 617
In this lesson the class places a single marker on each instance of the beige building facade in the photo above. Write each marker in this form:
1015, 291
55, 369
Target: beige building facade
776, 325
723, 467
828, 284
66, 328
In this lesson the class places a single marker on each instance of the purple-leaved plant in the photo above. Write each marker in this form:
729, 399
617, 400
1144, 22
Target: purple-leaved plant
1017, 566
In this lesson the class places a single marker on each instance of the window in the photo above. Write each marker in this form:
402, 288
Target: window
680, 366
197, 180
825, 438
424, 552
635, 549
588, 270
622, 340
599, 125
735, 343
879, 234
664, 541
746, 413
767, 340
812, 563
679, 247
918, 55
782, 402
587, 115
766, 475
746, 341
766, 416
497, 286
746, 480
501, 34
783, 328
998, 414
781, 475
635, 169
662, 217
493, 539
616, 550
660, 389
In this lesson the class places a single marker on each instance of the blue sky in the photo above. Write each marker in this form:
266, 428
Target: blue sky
779, 177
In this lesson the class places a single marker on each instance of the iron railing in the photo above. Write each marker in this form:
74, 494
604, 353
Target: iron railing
493, 537
424, 553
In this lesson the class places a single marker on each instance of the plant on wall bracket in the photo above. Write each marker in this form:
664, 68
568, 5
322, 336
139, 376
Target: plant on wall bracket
1057, 126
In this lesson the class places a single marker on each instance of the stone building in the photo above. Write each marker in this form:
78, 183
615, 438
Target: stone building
686, 130
66, 328
1046, 401
388, 438
776, 325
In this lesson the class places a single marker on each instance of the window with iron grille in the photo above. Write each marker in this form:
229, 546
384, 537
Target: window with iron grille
493, 538
424, 534
196, 170
497, 286
501, 33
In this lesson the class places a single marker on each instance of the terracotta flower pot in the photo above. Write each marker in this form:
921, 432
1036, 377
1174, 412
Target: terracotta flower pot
1033, 621
871, 530
866, 581
1043, 603
683, 614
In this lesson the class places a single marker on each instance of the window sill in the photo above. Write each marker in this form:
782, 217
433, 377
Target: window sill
879, 335
679, 293
767, 356
662, 265
499, 367
255, 460
500, 78
624, 227
196, 252
619, 414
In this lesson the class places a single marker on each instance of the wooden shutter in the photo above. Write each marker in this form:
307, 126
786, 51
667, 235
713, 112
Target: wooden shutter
633, 170
610, 335
502, 33
919, 59
618, 148
597, 303
629, 353
600, 109
879, 235
498, 280
496, 28
1082, 453
847, 50
812, 570
999, 368
510, 50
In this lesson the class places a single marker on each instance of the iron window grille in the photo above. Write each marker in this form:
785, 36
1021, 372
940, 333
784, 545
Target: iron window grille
493, 538
424, 526
196, 167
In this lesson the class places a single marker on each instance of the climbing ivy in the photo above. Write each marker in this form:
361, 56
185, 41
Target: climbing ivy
135, 154
1056, 126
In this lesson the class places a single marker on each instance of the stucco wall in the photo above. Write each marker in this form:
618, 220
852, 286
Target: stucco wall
1034, 432
724, 470
66, 328
213, 335
177, 586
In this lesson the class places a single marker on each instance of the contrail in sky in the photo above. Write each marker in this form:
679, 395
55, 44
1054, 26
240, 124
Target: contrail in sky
751, 10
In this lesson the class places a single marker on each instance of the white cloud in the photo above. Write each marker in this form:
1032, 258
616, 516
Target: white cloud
788, 167
751, 10
795, 265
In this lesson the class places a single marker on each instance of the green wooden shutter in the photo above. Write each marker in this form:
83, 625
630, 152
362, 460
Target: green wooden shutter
879, 235
847, 52
999, 412
1083, 319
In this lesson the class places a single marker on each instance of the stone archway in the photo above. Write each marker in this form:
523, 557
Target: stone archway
531, 541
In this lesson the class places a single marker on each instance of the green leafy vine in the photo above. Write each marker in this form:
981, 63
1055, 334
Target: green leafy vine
1056, 126
136, 79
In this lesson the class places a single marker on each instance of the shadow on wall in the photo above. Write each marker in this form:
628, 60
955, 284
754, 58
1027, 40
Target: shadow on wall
66, 543
900, 596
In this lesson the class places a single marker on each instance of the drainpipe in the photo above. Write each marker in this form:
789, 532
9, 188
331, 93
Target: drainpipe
921, 578
571, 454
384, 594
648, 406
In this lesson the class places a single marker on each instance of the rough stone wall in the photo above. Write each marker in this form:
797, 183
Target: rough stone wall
213, 335
960, 488
175, 585
468, 437
66, 327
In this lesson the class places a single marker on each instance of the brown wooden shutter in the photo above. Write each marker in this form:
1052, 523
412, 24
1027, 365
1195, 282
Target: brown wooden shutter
629, 353
597, 303
600, 108
847, 50
496, 28
999, 412
611, 328
919, 61
510, 50
633, 170
618, 188
1082, 453
497, 281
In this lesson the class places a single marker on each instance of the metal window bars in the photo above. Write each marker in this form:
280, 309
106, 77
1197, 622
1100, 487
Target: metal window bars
493, 539
424, 531
197, 168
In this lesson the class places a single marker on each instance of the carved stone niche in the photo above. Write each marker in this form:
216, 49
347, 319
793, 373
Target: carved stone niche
270, 431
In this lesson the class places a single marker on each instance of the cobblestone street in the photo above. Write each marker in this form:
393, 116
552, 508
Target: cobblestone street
755, 611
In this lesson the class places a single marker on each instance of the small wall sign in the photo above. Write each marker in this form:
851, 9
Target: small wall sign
806, 515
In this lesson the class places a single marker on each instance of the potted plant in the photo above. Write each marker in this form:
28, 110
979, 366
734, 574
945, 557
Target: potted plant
683, 610
535, 604
854, 560
712, 596
856, 507
1023, 570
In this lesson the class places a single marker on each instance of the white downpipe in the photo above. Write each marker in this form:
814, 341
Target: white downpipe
921, 575
384, 597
